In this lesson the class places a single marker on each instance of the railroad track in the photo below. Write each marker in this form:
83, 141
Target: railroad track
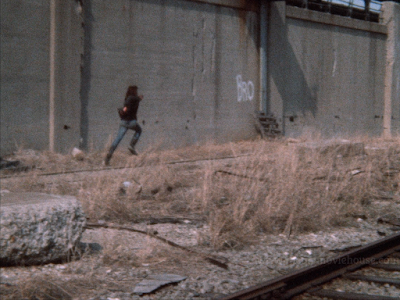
310, 281
16, 173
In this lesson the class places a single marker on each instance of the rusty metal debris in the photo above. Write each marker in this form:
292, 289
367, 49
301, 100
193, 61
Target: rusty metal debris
267, 125
12, 165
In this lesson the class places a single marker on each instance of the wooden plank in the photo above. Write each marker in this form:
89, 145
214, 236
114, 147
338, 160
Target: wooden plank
395, 255
387, 267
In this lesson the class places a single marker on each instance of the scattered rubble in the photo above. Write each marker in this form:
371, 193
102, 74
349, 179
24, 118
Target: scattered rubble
273, 256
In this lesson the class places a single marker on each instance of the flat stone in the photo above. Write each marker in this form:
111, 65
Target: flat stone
156, 281
38, 228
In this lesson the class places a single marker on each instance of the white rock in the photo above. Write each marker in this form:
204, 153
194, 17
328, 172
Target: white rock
78, 154
127, 184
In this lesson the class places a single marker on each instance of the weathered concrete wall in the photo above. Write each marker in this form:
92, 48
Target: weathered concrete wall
65, 70
27, 118
24, 49
326, 72
186, 58
197, 62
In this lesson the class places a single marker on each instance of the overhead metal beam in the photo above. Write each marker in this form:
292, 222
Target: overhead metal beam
241, 4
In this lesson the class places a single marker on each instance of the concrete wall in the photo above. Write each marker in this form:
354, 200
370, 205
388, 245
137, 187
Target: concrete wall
36, 60
186, 58
65, 69
67, 75
326, 72
24, 48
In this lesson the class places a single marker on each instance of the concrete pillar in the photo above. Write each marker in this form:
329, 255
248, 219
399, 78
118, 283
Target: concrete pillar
391, 114
66, 34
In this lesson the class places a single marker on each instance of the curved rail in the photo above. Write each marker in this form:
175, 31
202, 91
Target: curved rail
288, 286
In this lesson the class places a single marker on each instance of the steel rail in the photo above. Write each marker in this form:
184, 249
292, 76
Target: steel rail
290, 285
174, 162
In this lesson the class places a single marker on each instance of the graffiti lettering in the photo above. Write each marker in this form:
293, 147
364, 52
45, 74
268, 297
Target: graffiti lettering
245, 89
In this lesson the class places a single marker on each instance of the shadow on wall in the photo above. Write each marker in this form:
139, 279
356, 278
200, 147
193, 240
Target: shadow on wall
86, 73
285, 70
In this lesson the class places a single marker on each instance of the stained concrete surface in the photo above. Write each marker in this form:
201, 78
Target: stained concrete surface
38, 228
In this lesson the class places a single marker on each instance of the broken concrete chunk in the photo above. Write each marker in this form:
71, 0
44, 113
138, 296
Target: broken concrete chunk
154, 282
38, 228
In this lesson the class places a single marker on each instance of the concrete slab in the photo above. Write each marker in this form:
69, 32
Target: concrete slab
38, 228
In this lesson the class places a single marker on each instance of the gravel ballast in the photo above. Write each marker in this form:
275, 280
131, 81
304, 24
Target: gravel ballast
272, 256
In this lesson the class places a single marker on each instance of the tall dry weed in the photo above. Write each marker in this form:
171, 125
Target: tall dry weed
268, 186
290, 191
105, 198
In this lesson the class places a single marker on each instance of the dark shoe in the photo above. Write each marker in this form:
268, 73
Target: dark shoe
132, 150
107, 160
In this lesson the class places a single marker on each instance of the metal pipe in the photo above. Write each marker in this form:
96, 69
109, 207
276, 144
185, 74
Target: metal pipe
263, 57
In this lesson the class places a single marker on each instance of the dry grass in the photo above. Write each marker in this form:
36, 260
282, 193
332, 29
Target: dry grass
38, 287
271, 186
57, 287
290, 191
90, 276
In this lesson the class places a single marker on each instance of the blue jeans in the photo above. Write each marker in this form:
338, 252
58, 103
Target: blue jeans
123, 128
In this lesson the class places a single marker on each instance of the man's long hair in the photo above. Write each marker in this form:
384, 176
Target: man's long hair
132, 91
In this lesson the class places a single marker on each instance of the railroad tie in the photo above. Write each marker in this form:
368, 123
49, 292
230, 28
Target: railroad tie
349, 296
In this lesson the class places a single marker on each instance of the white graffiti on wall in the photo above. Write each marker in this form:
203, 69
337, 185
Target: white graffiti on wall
245, 89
